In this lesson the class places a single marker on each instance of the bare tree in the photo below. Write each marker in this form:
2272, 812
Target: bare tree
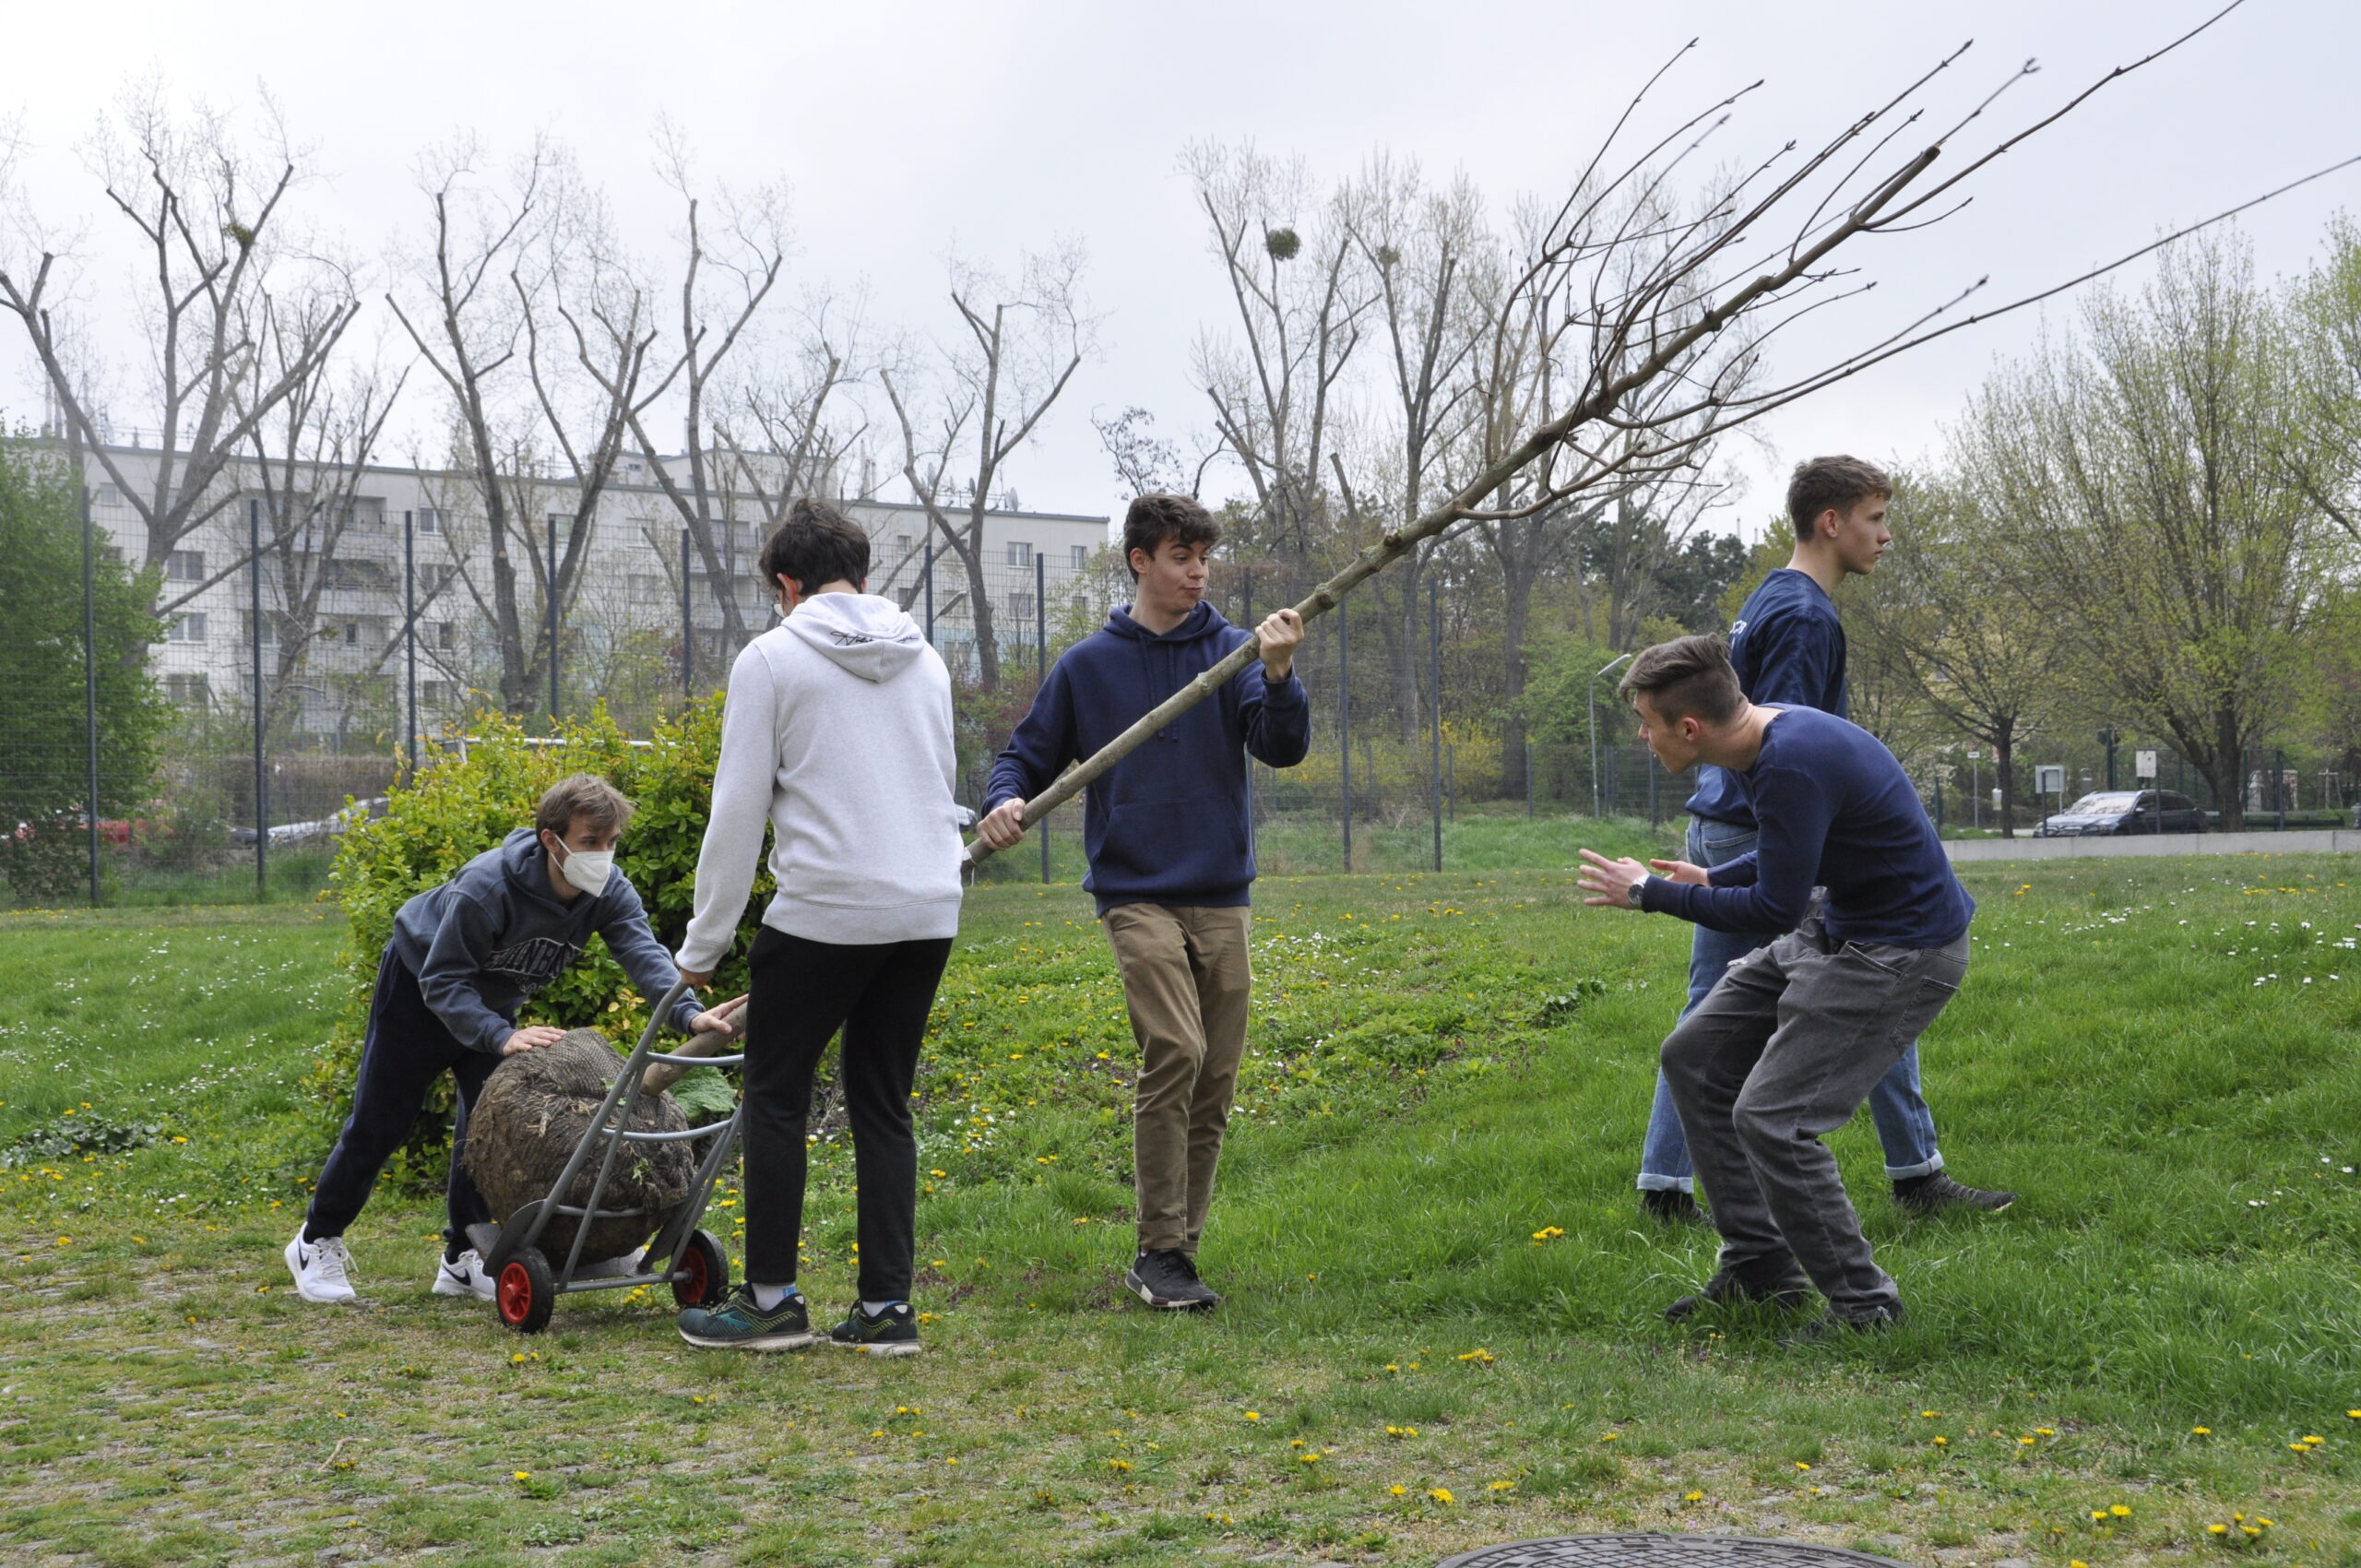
309, 458
1025, 339
215, 270
470, 335
723, 287
1298, 280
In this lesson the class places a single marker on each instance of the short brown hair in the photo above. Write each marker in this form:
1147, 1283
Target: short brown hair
1842, 483
815, 545
1154, 519
582, 797
1686, 678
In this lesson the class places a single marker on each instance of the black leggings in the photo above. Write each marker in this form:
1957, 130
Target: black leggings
803, 993
405, 1048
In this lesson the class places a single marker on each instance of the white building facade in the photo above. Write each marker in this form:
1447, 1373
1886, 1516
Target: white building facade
396, 597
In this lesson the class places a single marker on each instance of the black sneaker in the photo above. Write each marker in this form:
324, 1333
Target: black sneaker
1672, 1207
739, 1325
1935, 1192
1167, 1280
893, 1332
1834, 1324
1783, 1291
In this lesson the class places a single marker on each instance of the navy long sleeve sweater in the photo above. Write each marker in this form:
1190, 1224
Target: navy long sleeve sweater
1834, 810
1168, 824
1787, 647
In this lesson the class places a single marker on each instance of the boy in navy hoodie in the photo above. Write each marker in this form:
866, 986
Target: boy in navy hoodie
1171, 855
464, 958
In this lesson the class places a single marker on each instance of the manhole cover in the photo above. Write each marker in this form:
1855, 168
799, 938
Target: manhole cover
1665, 1552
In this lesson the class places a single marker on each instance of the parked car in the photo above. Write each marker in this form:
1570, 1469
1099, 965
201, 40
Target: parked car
2125, 811
329, 826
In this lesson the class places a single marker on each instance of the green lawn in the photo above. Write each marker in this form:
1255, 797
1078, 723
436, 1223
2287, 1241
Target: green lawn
1442, 1326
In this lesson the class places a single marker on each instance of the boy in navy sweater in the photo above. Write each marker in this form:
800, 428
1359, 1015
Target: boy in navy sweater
465, 955
1787, 647
1171, 855
1793, 1036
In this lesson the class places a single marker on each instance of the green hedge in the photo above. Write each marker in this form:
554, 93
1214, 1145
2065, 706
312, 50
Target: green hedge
454, 809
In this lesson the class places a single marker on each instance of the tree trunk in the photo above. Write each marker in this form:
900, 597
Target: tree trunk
2004, 757
2225, 770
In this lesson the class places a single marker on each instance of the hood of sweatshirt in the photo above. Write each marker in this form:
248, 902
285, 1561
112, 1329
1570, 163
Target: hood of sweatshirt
871, 636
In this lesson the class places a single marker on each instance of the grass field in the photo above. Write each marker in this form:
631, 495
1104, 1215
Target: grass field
1442, 1326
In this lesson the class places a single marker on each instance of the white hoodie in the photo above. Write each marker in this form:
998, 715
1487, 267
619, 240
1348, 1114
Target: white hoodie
837, 730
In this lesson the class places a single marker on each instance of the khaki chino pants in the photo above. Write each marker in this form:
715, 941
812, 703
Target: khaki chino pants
1186, 981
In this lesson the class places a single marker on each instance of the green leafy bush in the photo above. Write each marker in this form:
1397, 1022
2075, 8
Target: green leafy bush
463, 802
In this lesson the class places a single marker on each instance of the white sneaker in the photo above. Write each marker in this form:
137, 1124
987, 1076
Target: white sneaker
323, 1269
465, 1277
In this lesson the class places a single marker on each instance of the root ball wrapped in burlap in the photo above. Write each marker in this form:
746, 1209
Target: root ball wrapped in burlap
532, 1111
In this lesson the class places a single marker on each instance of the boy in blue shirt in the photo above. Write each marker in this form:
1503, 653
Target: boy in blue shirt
1171, 855
1787, 648
1793, 1036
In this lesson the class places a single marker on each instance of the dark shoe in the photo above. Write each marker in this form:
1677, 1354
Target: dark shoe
1671, 1206
1167, 1280
1835, 1324
1935, 1192
1783, 1291
739, 1325
893, 1332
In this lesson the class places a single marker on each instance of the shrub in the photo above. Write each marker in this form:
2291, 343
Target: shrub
463, 802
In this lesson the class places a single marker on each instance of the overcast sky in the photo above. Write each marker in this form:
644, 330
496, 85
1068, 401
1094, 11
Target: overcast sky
904, 129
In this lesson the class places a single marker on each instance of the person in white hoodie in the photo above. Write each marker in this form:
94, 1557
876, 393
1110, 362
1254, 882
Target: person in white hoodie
836, 731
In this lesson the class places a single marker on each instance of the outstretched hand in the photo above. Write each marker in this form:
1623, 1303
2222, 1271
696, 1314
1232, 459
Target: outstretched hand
1609, 882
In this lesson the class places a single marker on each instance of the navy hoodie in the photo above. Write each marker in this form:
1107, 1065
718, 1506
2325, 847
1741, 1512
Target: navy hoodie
1168, 824
488, 941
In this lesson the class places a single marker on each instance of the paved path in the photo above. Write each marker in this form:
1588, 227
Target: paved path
2339, 840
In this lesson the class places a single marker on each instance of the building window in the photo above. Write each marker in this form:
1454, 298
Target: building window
269, 628
107, 495
905, 542
1019, 552
184, 566
188, 628
190, 691
352, 632
430, 520
1020, 607
433, 578
1080, 557
435, 694
444, 634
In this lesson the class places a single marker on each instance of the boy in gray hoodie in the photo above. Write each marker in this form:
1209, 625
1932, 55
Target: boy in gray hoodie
837, 734
464, 958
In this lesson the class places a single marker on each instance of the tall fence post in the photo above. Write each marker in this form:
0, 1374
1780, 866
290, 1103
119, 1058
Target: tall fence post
688, 625
1528, 777
410, 636
90, 689
1041, 664
1345, 727
930, 594
262, 778
1434, 695
553, 521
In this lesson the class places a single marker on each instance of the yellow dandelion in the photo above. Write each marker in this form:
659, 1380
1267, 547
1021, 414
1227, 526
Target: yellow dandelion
1441, 1494
1692, 1497
2120, 1511
1397, 1489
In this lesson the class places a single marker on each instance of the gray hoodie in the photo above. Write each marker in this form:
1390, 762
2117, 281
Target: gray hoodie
485, 943
837, 732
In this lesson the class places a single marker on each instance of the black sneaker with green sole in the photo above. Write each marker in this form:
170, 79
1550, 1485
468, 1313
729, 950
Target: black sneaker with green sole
739, 1325
893, 1332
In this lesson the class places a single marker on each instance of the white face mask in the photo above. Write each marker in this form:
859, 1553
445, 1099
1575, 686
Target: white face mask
588, 869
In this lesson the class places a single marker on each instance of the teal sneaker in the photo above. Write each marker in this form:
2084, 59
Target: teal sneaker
739, 1325
893, 1332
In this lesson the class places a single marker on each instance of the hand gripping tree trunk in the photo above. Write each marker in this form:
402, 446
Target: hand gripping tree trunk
1664, 355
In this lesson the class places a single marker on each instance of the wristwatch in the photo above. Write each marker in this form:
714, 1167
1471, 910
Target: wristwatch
1632, 897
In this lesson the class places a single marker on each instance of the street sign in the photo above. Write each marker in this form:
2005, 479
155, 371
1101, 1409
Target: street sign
2144, 765
1974, 756
2049, 781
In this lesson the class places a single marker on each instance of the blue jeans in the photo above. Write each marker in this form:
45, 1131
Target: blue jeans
1904, 1125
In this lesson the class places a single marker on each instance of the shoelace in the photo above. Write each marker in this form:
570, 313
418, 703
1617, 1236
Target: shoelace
332, 1259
